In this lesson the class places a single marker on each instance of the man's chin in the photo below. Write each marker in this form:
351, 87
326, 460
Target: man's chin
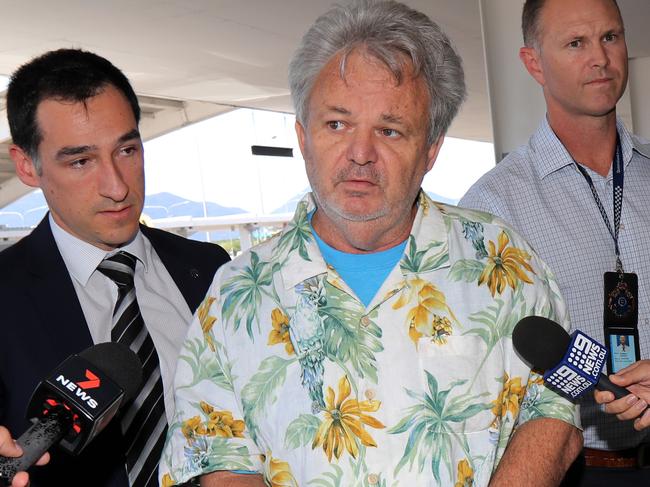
116, 240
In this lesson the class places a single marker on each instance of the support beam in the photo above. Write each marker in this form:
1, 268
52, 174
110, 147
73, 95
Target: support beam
516, 100
639, 80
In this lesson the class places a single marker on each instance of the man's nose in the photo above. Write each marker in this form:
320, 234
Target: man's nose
362, 149
112, 184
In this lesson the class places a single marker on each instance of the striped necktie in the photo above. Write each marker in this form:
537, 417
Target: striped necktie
144, 424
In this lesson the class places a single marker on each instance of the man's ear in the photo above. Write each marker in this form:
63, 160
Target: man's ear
434, 150
25, 168
533, 63
300, 132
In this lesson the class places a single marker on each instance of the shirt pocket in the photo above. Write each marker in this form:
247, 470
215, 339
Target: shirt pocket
471, 374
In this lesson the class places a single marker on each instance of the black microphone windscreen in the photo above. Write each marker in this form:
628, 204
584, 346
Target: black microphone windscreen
119, 363
540, 342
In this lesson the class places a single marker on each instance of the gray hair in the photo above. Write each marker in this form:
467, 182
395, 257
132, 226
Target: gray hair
388, 31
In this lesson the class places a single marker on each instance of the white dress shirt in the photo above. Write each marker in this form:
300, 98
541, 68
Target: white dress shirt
164, 310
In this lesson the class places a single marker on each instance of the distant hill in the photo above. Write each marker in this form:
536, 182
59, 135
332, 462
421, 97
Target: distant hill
165, 205
30, 209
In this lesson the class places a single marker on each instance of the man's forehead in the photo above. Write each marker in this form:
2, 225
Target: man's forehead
563, 17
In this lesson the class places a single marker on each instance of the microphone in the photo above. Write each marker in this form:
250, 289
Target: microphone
75, 402
572, 364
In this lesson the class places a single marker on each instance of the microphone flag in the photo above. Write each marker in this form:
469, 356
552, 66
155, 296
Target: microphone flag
580, 368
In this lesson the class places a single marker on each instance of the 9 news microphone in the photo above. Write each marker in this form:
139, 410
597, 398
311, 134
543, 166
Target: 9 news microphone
75, 402
572, 364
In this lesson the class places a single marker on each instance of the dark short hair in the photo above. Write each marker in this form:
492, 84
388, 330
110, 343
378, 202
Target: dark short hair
530, 21
66, 75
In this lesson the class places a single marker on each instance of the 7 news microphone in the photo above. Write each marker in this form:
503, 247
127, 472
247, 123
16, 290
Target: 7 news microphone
75, 402
572, 364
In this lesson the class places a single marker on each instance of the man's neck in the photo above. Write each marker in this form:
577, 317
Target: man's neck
361, 237
591, 141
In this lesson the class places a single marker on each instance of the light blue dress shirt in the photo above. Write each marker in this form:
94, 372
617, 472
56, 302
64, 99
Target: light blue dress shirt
539, 190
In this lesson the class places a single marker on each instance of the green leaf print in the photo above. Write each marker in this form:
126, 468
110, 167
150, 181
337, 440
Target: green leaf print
242, 294
345, 341
431, 438
424, 260
301, 431
297, 234
331, 479
212, 366
466, 270
261, 389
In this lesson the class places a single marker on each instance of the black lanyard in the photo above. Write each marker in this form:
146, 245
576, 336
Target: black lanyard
618, 199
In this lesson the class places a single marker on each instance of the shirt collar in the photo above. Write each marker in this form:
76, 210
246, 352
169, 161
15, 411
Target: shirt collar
82, 258
301, 257
552, 155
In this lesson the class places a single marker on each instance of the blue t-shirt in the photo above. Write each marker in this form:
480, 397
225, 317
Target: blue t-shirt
364, 273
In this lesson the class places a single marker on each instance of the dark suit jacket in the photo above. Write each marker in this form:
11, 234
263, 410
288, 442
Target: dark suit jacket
41, 324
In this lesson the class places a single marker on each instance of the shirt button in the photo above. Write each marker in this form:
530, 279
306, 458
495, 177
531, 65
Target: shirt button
370, 394
365, 321
373, 479
621, 227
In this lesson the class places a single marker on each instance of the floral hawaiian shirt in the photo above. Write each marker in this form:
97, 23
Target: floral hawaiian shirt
286, 373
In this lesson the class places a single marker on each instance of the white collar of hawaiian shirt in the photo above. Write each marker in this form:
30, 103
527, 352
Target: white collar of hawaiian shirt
552, 155
428, 226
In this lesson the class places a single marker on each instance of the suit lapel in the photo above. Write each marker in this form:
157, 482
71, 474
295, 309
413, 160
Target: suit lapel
52, 293
188, 270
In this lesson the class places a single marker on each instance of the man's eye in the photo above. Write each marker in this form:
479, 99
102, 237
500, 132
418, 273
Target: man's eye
79, 162
575, 43
335, 125
390, 133
127, 151
610, 37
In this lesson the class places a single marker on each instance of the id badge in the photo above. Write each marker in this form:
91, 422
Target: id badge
623, 347
621, 299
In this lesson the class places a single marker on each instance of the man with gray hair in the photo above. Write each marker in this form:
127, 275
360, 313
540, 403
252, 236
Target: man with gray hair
370, 342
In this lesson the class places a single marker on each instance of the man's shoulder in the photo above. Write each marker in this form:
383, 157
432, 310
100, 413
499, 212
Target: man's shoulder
641, 144
15, 255
492, 190
172, 242
15, 262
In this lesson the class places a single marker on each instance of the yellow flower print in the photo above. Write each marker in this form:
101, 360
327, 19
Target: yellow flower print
504, 266
465, 474
424, 204
343, 422
334, 279
207, 321
167, 481
222, 423
219, 423
278, 473
280, 331
193, 427
509, 398
421, 319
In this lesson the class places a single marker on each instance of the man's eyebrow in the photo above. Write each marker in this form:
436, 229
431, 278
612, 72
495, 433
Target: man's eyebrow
390, 118
338, 109
68, 151
133, 134
73, 150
